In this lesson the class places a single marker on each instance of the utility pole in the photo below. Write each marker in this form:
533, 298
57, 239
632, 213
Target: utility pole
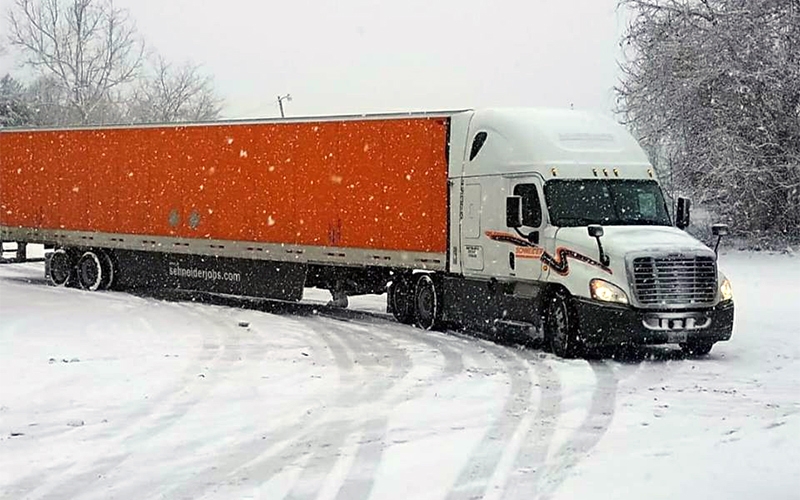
281, 98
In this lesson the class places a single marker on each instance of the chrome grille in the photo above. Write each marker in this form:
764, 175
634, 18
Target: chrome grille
675, 280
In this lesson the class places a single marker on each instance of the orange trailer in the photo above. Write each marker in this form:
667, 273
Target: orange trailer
365, 192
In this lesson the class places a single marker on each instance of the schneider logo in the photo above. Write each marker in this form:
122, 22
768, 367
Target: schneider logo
202, 274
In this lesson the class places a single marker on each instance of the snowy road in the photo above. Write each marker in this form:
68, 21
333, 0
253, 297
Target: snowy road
110, 395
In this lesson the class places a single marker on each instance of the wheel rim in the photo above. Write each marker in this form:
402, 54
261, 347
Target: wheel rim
90, 272
59, 268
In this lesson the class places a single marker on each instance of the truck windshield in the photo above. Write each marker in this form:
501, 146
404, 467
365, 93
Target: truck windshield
612, 202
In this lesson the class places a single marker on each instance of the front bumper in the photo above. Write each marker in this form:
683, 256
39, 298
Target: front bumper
603, 324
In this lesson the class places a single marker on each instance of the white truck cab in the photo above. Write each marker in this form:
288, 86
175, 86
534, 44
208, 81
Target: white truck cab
558, 222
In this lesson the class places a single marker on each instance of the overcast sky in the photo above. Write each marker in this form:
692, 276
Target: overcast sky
359, 56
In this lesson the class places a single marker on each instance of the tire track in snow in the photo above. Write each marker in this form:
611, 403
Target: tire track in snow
323, 448
147, 422
478, 472
265, 456
531, 458
305, 415
361, 461
335, 454
585, 438
193, 485
368, 451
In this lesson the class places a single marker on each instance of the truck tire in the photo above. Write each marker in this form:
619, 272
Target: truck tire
561, 329
426, 303
90, 271
107, 264
401, 301
60, 268
697, 348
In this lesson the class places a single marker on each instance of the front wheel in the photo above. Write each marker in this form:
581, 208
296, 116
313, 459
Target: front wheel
561, 329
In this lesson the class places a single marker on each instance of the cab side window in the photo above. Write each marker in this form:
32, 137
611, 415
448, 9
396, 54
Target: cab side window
531, 208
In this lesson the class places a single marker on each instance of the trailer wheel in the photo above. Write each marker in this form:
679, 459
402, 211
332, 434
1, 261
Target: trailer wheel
400, 298
426, 303
60, 270
90, 271
107, 266
560, 327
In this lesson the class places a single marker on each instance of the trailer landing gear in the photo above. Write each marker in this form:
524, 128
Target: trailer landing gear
338, 299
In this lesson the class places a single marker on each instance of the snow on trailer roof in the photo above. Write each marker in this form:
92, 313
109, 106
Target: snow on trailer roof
253, 121
575, 142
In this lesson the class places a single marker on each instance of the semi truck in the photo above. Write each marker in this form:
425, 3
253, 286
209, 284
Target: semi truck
542, 223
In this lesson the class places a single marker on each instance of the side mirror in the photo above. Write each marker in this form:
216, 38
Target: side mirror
683, 213
719, 230
596, 231
514, 211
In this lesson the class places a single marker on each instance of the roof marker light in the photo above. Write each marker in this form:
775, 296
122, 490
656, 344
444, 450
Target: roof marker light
594, 171
616, 172
605, 172
554, 172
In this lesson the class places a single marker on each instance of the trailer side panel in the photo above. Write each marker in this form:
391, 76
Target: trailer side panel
371, 184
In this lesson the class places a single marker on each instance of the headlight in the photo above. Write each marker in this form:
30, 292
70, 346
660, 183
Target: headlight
605, 291
726, 290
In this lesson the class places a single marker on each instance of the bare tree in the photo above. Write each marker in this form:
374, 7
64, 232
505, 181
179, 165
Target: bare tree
712, 90
175, 94
87, 47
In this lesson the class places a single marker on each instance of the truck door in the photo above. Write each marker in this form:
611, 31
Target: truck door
524, 258
472, 246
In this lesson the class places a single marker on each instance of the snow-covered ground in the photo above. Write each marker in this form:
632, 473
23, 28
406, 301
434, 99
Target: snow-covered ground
111, 395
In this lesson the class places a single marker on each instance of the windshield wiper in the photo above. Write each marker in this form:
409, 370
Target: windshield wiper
576, 221
642, 222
